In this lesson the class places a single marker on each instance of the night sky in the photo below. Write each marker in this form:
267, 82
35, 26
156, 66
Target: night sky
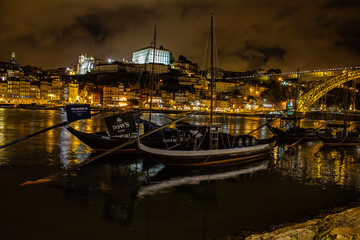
251, 34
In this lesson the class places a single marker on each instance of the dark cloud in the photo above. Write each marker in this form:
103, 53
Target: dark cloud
343, 3
26, 41
349, 36
94, 25
259, 56
250, 33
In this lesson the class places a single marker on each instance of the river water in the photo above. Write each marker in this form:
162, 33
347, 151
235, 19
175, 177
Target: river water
133, 197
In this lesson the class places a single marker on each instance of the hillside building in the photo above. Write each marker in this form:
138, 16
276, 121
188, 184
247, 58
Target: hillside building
85, 64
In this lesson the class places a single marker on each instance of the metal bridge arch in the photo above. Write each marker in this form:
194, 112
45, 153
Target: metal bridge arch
314, 94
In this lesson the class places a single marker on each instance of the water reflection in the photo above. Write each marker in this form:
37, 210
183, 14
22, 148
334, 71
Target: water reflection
148, 201
140, 194
56, 147
312, 164
131, 183
119, 179
344, 166
196, 178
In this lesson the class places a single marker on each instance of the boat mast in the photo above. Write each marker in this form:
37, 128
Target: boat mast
297, 96
211, 67
345, 97
152, 79
213, 130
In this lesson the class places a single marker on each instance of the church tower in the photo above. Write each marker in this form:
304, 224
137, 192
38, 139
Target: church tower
13, 60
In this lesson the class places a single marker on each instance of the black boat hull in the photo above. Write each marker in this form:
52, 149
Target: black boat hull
294, 134
102, 142
335, 141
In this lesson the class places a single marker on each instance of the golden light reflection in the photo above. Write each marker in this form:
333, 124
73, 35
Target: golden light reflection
343, 173
50, 142
337, 169
3, 160
3, 140
104, 186
2, 126
308, 161
72, 150
50, 139
80, 150
275, 154
317, 165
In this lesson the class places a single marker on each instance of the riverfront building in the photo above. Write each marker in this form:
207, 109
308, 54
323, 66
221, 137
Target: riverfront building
120, 83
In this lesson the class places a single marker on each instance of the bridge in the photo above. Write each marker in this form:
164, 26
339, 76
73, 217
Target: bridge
309, 98
323, 73
331, 78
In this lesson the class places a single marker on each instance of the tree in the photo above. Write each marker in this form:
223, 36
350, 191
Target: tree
275, 93
273, 71
133, 102
236, 92
183, 59
251, 99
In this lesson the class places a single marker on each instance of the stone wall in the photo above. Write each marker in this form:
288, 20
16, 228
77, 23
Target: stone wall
344, 225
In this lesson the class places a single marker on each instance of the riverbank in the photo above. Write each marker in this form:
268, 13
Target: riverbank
351, 116
343, 224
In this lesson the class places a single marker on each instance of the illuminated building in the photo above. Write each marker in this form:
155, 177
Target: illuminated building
188, 81
221, 105
3, 89
225, 87
13, 87
85, 64
109, 66
95, 98
253, 90
34, 90
70, 71
16, 88
87, 92
168, 99
24, 88
71, 92
13, 73
158, 68
187, 68
146, 55
45, 90
57, 88
13, 60
106, 68
143, 60
181, 97
111, 95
